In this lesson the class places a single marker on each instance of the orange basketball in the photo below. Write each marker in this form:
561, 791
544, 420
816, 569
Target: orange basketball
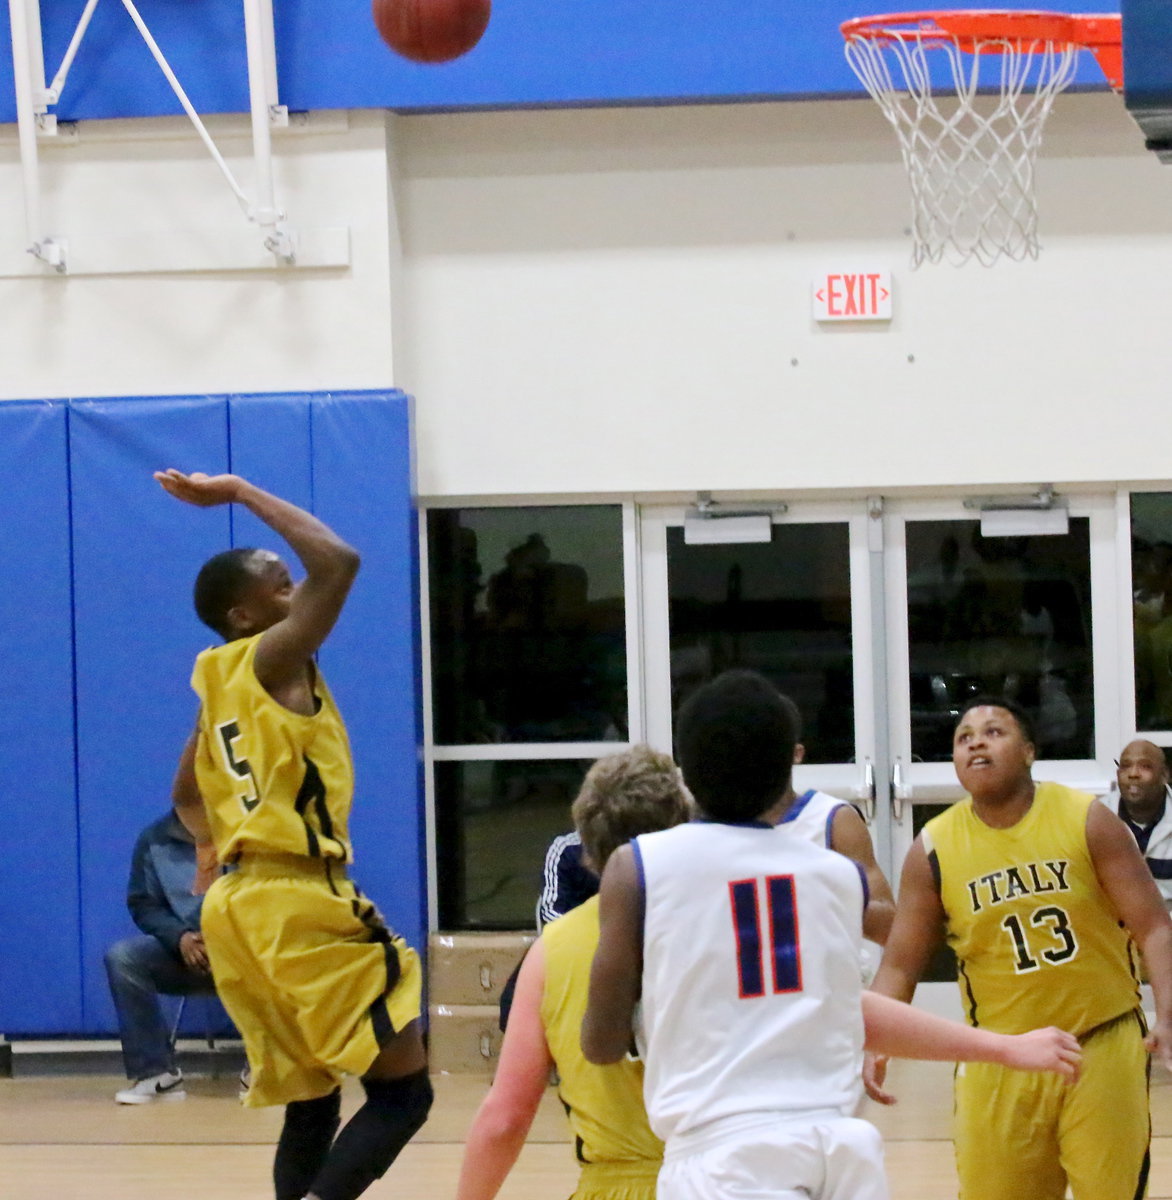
431, 31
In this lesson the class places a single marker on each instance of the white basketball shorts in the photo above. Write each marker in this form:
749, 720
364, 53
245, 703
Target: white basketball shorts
827, 1158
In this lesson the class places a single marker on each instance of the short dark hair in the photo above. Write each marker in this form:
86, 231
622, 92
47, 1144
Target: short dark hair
220, 584
1024, 721
735, 741
795, 715
624, 795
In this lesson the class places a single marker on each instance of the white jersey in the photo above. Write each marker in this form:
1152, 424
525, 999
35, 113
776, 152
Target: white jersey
811, 816
751, 988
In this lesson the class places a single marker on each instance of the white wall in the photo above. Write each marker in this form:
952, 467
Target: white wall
156, 333
617, 301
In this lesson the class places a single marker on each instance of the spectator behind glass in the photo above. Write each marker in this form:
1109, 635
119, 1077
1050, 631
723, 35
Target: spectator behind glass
1141, 800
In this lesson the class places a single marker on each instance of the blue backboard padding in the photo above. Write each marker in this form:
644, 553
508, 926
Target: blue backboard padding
362, 489
1147, 68
40, 989
136, 551
534, 53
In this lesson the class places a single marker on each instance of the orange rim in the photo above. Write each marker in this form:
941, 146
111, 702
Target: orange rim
990, 31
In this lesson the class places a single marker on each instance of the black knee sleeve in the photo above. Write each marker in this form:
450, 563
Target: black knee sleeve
305, 1142
394, 1112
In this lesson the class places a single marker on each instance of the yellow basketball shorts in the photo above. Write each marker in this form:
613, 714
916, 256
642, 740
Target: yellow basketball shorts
617, 1181
1029, 1134
302, 963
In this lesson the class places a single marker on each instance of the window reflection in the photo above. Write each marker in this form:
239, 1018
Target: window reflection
528, 624
1009, 616
494, 823
1151, 581
782, 608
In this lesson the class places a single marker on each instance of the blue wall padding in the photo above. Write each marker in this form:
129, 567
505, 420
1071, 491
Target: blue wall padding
98, 636
134, 550
363, 488
40, 960
270, 447
534, 53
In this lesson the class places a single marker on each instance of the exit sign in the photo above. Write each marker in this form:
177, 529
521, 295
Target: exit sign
852, 296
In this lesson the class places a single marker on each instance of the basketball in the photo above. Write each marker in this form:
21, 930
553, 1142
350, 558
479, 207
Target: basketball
431, 31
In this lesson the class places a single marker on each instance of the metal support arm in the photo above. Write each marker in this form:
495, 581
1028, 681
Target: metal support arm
34, 101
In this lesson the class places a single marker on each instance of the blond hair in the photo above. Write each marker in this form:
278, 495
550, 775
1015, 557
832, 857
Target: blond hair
623, 795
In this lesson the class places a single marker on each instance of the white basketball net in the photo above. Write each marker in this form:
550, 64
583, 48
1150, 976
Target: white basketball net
969, 151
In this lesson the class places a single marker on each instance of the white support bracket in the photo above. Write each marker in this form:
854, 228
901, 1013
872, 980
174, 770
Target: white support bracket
34, 100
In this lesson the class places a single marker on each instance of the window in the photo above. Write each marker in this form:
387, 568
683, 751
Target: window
528, 637
1003, 616
1151, 596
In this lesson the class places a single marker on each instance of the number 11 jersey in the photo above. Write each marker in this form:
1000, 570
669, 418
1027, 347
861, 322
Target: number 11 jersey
751, 988
1036, 938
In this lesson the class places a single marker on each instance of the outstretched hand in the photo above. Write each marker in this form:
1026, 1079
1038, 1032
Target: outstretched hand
875, 1076
1046, 1049
206, 491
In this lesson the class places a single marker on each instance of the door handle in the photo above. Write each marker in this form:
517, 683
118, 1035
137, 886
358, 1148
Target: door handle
900, 791
865, 792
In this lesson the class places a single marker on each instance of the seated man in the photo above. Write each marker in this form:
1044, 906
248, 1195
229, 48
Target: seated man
168, 957
1142, 803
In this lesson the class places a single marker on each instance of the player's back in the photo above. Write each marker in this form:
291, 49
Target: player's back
811, 817
751, 988
272, 780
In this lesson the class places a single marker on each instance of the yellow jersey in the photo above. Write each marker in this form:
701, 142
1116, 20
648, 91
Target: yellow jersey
1037, 940
272, 780
604, 1103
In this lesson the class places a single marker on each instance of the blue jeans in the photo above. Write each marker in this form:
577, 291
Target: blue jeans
140, 969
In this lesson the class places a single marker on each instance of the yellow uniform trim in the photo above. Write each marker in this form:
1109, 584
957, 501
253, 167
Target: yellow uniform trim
303, 962
1037, 940
271, 779
1030, 1134
604, 1103
310, 975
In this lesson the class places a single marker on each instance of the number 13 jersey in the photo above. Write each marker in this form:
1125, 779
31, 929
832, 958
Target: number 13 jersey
1037, 939
751, 988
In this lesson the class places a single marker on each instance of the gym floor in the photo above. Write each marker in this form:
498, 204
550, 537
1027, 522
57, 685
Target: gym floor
63, 1137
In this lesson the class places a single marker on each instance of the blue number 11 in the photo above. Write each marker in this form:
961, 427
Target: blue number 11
783, 941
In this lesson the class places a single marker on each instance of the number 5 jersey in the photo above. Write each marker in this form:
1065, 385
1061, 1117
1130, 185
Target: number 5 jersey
272, 780
751, 988
1037, 940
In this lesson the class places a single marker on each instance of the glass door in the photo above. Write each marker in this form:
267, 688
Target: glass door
1026, 616
797, 608
881, 619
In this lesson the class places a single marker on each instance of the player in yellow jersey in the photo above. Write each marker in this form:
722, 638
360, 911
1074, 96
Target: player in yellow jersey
316, 984
622, 796
1037, 888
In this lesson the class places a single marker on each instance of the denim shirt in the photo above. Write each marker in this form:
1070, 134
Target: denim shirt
162, 872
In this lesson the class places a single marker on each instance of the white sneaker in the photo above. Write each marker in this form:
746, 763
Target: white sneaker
245, 1082
168, 1086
